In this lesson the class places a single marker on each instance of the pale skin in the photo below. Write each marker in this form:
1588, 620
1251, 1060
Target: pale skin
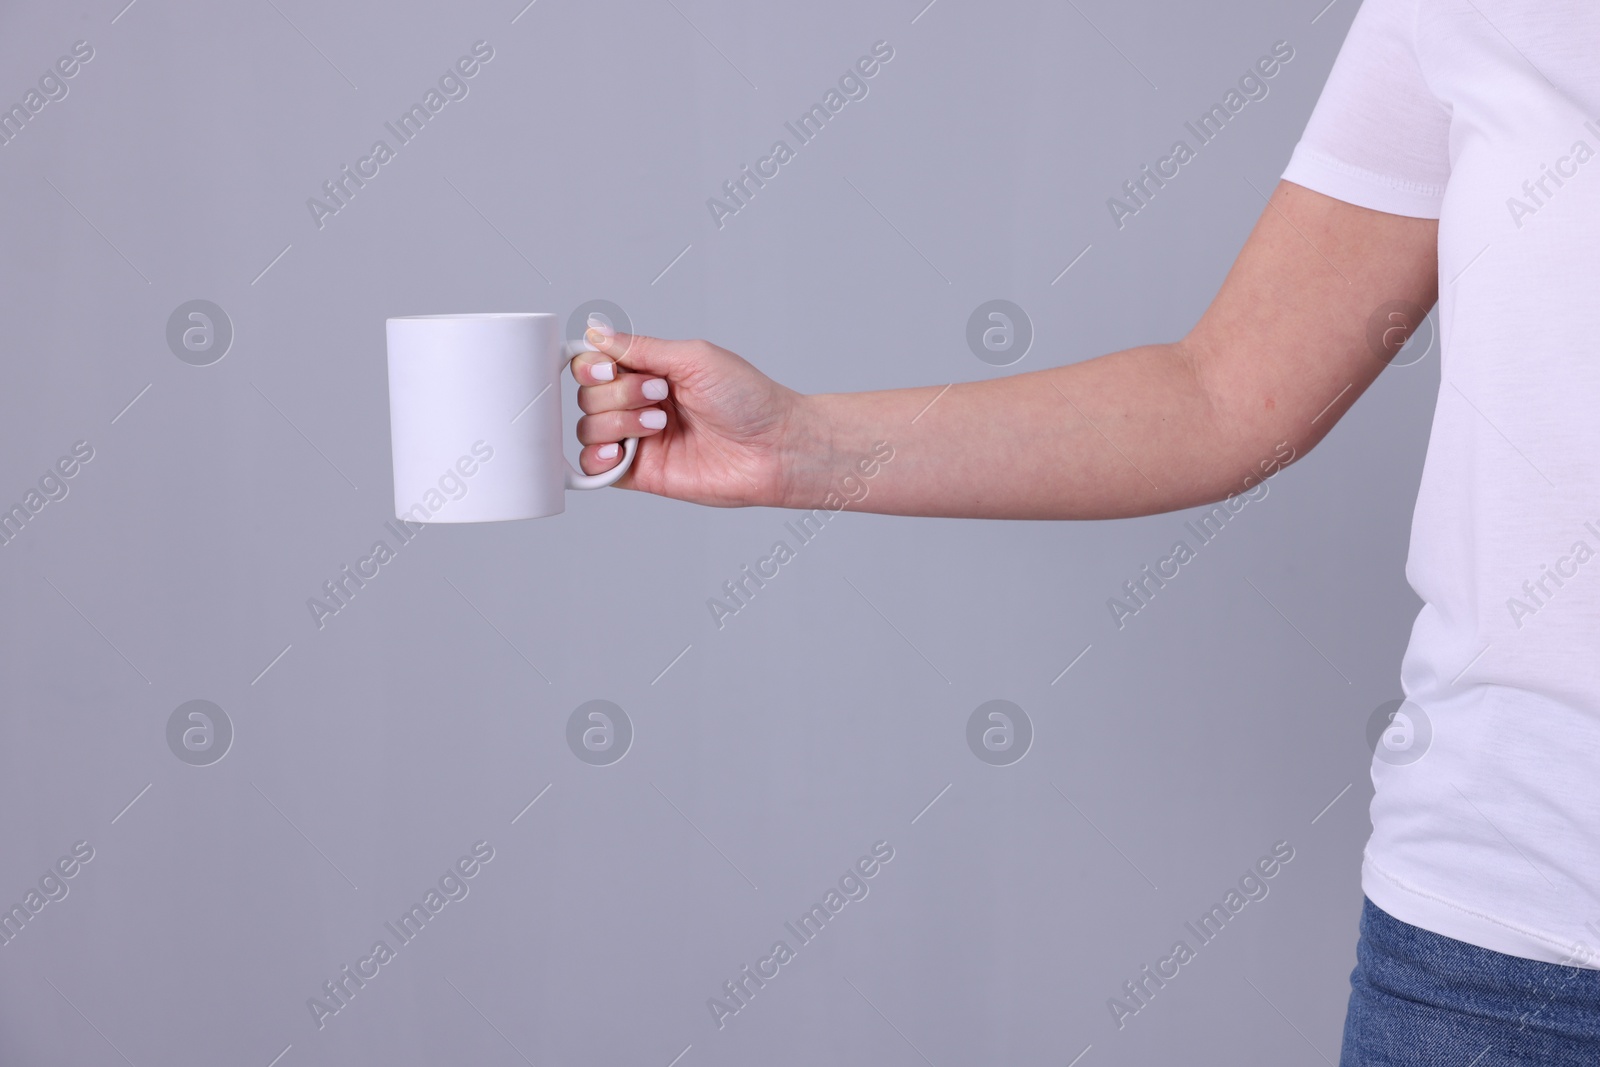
1279, 355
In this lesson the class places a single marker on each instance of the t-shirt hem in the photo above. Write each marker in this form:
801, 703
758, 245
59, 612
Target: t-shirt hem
1363, 188
1414, 905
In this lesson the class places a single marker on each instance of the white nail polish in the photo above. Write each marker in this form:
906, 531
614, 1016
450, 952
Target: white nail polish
607, 452
598, 323
654, 419
655, 389
603, 371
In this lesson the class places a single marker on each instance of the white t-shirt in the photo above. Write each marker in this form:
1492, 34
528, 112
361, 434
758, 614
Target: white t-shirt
1485, 114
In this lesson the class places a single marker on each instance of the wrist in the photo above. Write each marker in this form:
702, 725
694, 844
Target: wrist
806, 458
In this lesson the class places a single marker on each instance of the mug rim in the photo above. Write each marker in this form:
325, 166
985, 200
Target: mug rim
476, 315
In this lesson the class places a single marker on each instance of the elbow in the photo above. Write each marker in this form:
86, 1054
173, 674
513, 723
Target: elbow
1253, 485
1253, 435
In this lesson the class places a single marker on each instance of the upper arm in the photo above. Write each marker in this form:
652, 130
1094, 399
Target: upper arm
1322, 295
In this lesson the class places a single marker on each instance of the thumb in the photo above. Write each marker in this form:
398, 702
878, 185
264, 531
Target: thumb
650, 355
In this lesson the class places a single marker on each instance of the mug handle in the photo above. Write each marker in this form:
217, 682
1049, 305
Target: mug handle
576, 479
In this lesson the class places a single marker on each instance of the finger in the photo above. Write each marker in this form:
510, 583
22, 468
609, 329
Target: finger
609, 426
651, 355
597, 459
628, 391
593, 368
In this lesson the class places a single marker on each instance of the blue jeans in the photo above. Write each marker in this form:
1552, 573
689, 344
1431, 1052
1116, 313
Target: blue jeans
1418, 997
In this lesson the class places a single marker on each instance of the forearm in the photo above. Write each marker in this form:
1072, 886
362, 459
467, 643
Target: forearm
1131, 433
1289, 343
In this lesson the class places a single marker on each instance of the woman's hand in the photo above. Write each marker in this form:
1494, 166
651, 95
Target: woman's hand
712, 429
1278, 357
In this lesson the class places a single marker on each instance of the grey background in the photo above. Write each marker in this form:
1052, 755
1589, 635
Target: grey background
773, 753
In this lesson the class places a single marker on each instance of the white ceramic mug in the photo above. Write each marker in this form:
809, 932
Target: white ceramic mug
475, 418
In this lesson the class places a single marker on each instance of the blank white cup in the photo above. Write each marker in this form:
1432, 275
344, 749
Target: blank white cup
475, 418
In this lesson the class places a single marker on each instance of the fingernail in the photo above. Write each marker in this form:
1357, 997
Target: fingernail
603, 371
655, 389
654, 419
607, 452
598, 324
594, 337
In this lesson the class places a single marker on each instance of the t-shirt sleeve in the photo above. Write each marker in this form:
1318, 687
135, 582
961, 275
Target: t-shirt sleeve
1378, 138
